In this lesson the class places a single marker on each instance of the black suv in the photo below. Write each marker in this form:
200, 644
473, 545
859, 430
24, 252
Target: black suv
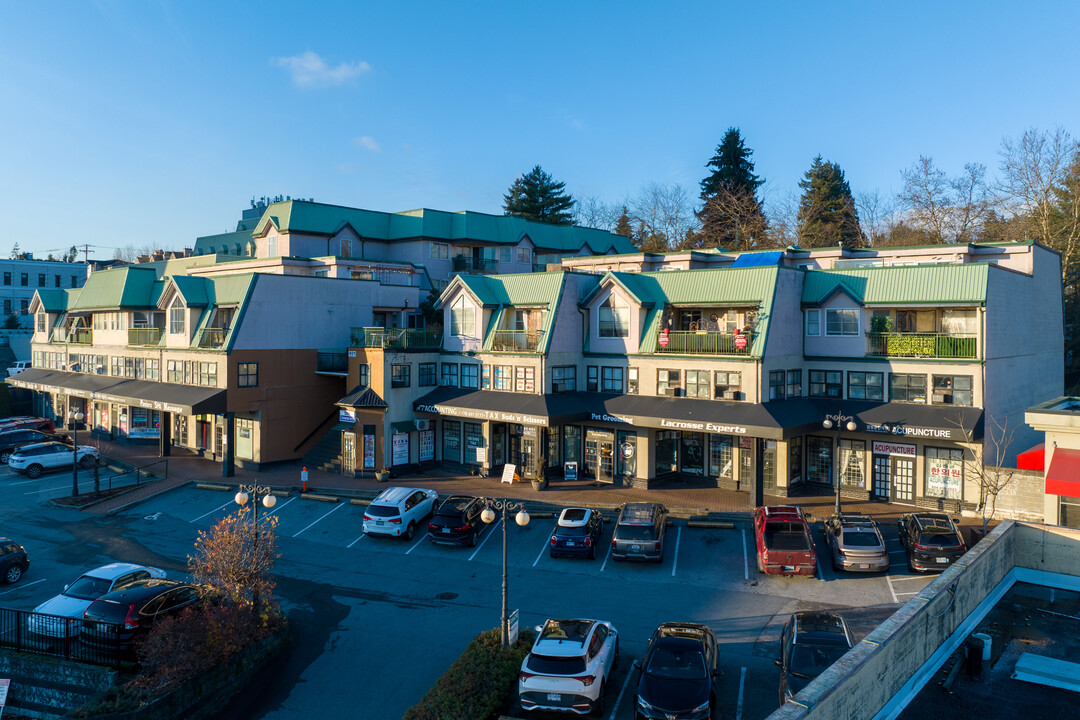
810, 642
119, 616
639, 532
457, 521
13, 560
678, 674
931, 539
11, 440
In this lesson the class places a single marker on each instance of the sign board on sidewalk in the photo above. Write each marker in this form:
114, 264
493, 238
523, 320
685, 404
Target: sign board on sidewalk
303, 475
512, 633
508, 473
5, 683
570, 470
481, 454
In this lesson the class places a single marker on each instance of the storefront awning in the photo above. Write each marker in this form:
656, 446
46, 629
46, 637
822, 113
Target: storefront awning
1063, 477
897, 420
712, 416
498, 406
1033, 459
167, 397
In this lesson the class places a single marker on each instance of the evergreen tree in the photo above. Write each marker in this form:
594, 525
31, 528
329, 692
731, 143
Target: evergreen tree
623, 226
827, 214
536, 196
731, 215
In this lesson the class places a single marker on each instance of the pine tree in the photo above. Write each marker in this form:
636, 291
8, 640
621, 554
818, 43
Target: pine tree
623, 226
827, 214
536, 196
731, 215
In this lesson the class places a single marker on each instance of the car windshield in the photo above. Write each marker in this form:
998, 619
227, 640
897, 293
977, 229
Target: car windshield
555, 665
860, 538
382, 511
810, 660
571, 531
634, 532
677, 664
88, 588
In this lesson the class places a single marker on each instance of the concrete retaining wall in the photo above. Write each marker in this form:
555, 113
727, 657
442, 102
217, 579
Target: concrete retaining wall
46, 687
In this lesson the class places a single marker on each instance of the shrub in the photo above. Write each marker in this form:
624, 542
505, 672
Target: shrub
478, 683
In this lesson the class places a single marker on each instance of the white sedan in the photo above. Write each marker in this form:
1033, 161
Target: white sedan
61, 616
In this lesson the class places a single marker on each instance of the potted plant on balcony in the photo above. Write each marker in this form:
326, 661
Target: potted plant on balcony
383, 474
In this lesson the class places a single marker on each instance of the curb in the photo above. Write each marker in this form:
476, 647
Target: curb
708, 523
137, 501
319, 498
212, 486
359, 501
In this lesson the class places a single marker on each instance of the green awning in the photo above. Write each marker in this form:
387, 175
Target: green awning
404, 426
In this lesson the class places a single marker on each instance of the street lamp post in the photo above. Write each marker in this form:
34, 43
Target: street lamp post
76, 417
522, 518
254, 491
847, 422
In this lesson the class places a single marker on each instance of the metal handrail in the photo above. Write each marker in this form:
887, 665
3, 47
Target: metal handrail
706, 342
212, 337
397, 338
924, 345
144, 336
517, 340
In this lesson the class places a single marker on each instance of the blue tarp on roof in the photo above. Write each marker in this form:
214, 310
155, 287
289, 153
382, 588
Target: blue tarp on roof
758, 259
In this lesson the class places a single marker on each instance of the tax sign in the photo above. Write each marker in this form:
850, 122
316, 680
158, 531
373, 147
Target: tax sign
740, 342
663, 341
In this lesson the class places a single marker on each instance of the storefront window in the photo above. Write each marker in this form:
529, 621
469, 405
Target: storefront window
944, 473
1069, 512
693, 453
627, 465
451, 441
852, 469
667, 451
794, 461
572, 444
768, 467
474, 438
819, 460
553, 448
720, 457
145, 423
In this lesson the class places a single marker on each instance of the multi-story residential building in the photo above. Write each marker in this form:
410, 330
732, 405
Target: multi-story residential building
730, 373
20, 279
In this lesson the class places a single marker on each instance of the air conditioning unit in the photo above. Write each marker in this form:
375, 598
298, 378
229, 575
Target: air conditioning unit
422, 424
670, 392
731, 394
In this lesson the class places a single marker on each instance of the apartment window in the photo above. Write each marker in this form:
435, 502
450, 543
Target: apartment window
794, 383
632, 381
462, 318
485, 377
866, 386
826, 383
176, 317
592, 378
153, 369
24, 279
564, 379
524, 255
727, 385
7, 306
944, 473
425, 376
174, 371
504, 377
611, 380
57, 278
776, 385
813, 322
470, 375
7, 278
346, 247
74, 281
400, 375
907, 388
614, 319
668, 382
440, 251
365, 375
39, 319
208, 374
952, 389
504, 254
41, 280
524, 379
697, 384
449, 375
842, 321
117, 367
322, 273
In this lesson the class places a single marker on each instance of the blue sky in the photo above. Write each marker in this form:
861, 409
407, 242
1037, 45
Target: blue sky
151, 123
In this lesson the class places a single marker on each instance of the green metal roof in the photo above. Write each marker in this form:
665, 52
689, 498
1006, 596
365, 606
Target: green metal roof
231, 243
319, 219
506, 292
57, 300
132, 286
912, 284
193, 290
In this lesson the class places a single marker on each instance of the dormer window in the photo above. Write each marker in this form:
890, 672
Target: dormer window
614, 319
39, 322
462, 318
177, 322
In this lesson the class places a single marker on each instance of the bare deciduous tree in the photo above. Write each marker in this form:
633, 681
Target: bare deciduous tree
594, 213
664, 213
948, 209
987, 462
877, 215
1032, 166
783, 213
747, 228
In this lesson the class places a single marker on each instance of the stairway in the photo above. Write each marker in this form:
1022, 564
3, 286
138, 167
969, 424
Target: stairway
326, 454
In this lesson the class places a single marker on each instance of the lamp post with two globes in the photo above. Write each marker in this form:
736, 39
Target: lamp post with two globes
76, 417
839, 421
522, 519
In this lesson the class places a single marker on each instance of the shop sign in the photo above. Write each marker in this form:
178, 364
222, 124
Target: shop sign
746, 443
346, 416
627, 450
481, 455
570, 470
369, 451
427, 446
703, 426
740, 342
399, 445
509, 470
495, 415
887, 448
604, 417
908, 431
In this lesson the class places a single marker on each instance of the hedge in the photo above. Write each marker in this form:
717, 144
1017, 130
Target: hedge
478, 684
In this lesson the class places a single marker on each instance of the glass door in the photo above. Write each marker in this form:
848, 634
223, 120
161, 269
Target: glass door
348, 453
600, 455
903, 480
498, 444
881, 476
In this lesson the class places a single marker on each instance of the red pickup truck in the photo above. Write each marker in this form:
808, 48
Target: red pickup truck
784, 543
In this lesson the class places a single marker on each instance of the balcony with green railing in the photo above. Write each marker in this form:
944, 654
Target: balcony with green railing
144, 336
705, 342
397, 338
517, 340
922, 345
211, 338
72, 336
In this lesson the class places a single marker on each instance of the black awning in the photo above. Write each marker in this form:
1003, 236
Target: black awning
715, 416
898, 420
498, 406
169, 397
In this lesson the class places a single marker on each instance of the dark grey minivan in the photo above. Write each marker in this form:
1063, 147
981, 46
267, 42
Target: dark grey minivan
639, 532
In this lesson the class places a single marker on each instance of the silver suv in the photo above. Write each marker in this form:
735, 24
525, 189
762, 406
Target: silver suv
399, 511
639, 532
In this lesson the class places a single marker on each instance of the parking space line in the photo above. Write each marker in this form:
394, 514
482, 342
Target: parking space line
336, 508
417, 543
24, 585
742, 684
362, 536
604, 565
38, 492
675, 562
27, 482
618, 700
546, 543
486, 538
212, 511
889, 580
745, 559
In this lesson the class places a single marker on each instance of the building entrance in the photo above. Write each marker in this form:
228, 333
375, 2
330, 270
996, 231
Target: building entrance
599, 455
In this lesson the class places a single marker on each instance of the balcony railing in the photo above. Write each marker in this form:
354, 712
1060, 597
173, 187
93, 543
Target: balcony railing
80, 336
211, 337
923, 345
334, 362
517, 340
706, 342
397, 338
464, 263
144, 336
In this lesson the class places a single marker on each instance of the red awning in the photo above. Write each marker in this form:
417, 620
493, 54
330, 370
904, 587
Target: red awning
1063, 477
1033, 459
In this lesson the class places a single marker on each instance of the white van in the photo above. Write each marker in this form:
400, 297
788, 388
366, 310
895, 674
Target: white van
17, 367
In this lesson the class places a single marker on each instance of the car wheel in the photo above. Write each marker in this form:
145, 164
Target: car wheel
87, 462
597, 709
4, 456
910, 564
34, 471
409, 531
13, 573
472, 539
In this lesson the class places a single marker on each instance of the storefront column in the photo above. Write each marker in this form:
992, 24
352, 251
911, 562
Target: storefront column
165, 436
757, 483
228, 467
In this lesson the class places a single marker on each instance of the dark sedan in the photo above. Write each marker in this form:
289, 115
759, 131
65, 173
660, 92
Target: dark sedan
115, 619
13, 560
577, 533
678, 674
810, 642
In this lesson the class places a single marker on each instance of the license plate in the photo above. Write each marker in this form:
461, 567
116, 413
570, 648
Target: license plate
379, 522
635, 548
788, 568
942, 560
864, 566
554, 697
569, 543
446, 530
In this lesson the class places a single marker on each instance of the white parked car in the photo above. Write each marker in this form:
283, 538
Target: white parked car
568, 666
78, 596
17, 367
399, 511
32, 460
